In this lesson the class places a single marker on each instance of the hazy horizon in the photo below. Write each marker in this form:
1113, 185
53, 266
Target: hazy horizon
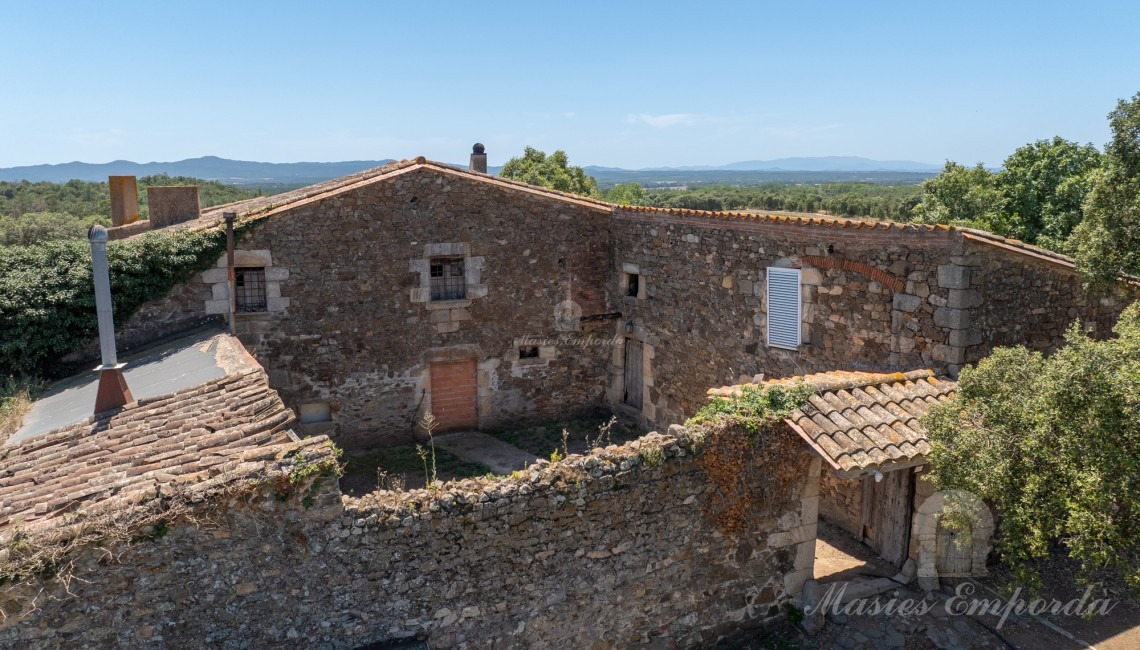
630, 85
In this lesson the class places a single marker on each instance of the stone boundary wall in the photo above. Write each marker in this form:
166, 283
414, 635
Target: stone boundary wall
601, 551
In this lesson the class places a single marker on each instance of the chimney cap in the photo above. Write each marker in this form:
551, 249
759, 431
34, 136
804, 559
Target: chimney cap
97, 234
478, 148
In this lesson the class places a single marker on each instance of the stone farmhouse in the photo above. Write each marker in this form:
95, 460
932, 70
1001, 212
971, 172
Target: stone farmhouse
367, 301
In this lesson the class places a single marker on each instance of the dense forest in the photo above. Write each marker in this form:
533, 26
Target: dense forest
36, 212
850, 199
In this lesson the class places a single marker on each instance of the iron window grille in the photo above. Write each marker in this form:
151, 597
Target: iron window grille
448, 281
249, 284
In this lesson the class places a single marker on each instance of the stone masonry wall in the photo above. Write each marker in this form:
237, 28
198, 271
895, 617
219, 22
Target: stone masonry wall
603, 551
841, 502
868, 300
872, 298
350, 322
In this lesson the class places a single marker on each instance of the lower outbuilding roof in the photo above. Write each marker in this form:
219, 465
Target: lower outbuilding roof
860, 422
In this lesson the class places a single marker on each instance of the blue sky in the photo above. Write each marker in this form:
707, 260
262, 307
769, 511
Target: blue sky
613, 83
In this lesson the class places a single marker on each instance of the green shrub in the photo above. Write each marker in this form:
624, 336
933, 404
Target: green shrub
47, 295
755, 406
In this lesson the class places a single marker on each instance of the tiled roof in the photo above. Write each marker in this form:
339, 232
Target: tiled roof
263, 205
863, 421
792, 219
218, 431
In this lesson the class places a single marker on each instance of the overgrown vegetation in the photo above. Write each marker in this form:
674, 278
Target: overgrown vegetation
32, 213
1054, 444
16, 398
744, 443
47, 297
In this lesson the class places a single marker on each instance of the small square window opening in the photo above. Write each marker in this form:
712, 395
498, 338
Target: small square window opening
448, 280
633, 282
249, 289
528, 352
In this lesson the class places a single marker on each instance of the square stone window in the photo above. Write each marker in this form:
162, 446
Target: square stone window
448, 279
528, 352
250, 289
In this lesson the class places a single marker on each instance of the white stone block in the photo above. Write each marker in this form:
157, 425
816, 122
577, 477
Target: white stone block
805, 556
218, 306
419, 266
794, 581
220, 292
809, 509
215, 275
421, 294
627, 267
276, 304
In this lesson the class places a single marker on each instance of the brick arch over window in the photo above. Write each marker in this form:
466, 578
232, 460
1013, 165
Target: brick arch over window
884, 278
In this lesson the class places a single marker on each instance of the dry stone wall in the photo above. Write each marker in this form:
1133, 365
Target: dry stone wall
604, 551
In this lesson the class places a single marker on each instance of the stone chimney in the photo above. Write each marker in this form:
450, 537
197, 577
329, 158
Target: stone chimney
124, 200
113, 391
478, 159
171, 204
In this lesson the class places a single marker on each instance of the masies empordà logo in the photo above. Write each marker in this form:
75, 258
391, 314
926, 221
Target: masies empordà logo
953, 529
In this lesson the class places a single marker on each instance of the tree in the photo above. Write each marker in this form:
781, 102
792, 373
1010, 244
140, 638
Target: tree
1054, 443
1107, 243
626, 194
960, 195
1042, 187
553, 171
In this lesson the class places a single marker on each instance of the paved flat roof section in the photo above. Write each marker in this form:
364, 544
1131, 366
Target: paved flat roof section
173, 366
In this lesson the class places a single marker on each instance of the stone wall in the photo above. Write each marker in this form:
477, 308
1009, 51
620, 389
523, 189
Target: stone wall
841, 502
350, 322
608, 550
896, 298
1018, 300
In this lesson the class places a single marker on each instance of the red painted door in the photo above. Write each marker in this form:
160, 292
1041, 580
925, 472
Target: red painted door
453, 396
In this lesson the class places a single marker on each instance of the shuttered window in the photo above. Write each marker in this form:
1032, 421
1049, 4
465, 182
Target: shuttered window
784, 308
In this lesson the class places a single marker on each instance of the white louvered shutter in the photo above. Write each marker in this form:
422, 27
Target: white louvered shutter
784, 308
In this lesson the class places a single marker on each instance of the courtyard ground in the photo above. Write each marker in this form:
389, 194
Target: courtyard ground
498, 451
839, 557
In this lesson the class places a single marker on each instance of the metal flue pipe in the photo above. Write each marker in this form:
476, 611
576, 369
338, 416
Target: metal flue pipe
113, 391
99, 268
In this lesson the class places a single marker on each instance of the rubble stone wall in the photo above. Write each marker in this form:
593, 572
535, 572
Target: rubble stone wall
603, 551
872, 298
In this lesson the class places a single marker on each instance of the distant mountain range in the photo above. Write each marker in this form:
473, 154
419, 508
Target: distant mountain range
234, 172
241, 172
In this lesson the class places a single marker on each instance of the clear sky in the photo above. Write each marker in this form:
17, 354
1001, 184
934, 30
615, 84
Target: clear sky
613, 83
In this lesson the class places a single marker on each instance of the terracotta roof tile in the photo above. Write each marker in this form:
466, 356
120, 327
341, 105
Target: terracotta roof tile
182, 438
861, 421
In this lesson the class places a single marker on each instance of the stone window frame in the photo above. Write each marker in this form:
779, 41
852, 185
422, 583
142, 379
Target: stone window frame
629, 269
446, 315
218, 279
519, 365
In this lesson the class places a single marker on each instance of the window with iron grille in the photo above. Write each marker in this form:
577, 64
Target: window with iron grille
249, 284
448, 281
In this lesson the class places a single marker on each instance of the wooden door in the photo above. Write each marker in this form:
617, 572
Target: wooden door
886, 515
634, 388
953, 553
453, 396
